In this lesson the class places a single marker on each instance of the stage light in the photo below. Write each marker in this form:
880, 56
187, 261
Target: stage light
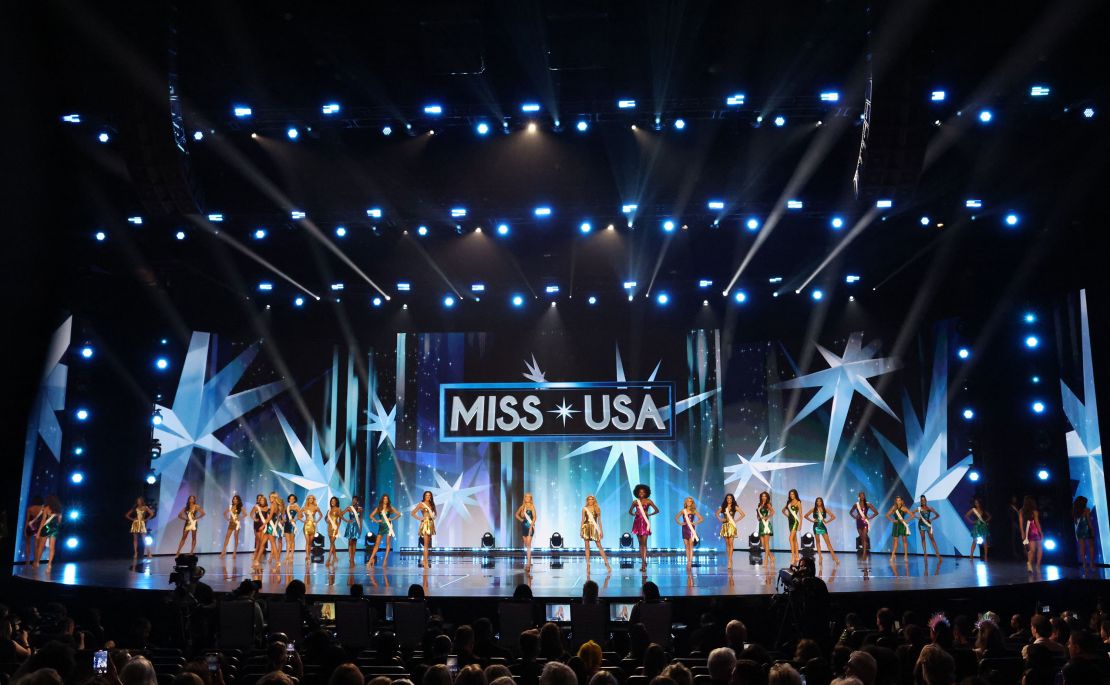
337, 286
969, 414
78, 450
404, 286
705, 283
963, 353
551, 289
161, 363
376, 301
449, 301
502, 229
1038, 407
716, 205
740, 297
663, 298
482, 128
884, 204
297, 215
86, 352
374, 212
433, 110
1088, 112
330, 108
985, 116
71, 118
530, 107
658, 123
241, 111
292, 133
973, 476
518, 301
924, 221
851, 278
103, 137
629, 208
817, 294
1030, 317
626, 104
780, 121
265, 286
477, 287
148, 540
629, 285
531, 127
81, 414
260, 234
794, 204
973, 204
1039, 91
72, 543
830, 96
1042, 474
156, 418
1035, 379
421, 230
938, 96
556, 540
341, 231
680, 124
752, 224
541, 212
100, 236
585, 227
755, 550
458, 212
1032, 341
591, 300
74, 515
180, 235
151, 479
668, 226
77, 477
582, 126
387, 130
135, 220
1011, 219
298, 301
1050, 544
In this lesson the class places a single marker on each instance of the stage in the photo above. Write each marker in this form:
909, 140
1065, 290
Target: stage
478, 576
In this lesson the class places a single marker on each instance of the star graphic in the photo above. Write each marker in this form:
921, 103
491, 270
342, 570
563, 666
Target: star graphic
628, 451
451, 496
319, 475
52, 391
758, 464
384, 422
564, 411
534, 374
200, 408
847, 374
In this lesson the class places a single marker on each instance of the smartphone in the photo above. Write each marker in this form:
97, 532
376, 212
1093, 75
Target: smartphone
1046, 609
100, 661
290, 647
213, 660
453, 664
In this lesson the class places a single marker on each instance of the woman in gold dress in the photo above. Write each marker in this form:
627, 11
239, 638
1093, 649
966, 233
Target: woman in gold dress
729, 515
138, 516
310, 513
191, 515
425, 512
333, 517
592, 530
234, 516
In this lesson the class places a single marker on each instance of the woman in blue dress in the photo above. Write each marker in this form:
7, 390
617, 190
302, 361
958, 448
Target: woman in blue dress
384, 515
926, 517
979, 518
819, 516
526, 515
1084, 532
353, 516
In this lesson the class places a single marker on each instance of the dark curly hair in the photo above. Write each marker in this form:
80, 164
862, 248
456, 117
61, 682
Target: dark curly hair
641, 486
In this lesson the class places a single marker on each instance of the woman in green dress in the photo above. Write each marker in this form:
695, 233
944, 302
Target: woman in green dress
793, 513
980, 519
763, 512
819, 516
1084, 532
926, 516
384, 515
900, 515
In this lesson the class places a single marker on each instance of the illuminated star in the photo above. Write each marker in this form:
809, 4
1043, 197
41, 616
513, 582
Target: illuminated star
51, 396
846, 375
534, 374
383, 422
758, 464
450, 496
318, 473
564, 411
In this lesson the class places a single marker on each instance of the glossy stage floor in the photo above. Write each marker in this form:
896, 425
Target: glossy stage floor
475, 575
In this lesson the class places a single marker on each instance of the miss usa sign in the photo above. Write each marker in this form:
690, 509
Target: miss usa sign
553, 412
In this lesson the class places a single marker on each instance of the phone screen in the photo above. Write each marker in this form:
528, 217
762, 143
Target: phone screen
290, 647
213, 662
453, 664
100, 662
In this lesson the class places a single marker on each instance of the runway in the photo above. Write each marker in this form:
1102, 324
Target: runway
476, 575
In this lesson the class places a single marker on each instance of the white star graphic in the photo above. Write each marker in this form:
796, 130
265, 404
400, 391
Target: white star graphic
564, 411
319, 475
534, 374
450, 496
383, 422
758, 464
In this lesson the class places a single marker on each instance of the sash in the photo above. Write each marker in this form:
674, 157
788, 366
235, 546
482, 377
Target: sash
643, 513
388, 524
231, 517
898, 513
863, 515
428, 511
690, 525
357, 515
793, 515
979, 516
728, 515
819, 517
762, 519
925, 520
590, 518
528, 520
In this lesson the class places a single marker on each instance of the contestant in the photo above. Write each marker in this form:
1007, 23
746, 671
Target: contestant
764, 511
926, 516
427, 510
138, 515
234, 516
353, 516
384, 515
979, 518
729, 515
592, 531
292, 512
311, 515
689, 518
276, 527
1030, 521
900, 516
1084, 532
863, 512
793, 513
191, 514
642, 508
260, 512
526, 514
32, 520
334, 516
819, 516
47, 533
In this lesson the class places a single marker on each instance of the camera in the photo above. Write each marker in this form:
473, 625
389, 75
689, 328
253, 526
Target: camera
185, 571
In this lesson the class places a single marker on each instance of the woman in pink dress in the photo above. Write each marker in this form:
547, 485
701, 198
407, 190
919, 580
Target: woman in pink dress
642, 508
1030, 521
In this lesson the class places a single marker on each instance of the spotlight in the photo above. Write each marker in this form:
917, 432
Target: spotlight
1035, 379
148, 540
924, 221
963, 353
973, 204
556, 540
1011, 219
851, 278
884, 204
780, 121
421, 231
74, 515
531, 127
100, 236
585, 227
716, 205
582, 126
740, 297
668, 226
180, 235
1032, 341
755, 550
837, 223
161, 363
830, 96
518, 301
938, 96
1050, 544
260, 234
1039, 91
330, 108
817, 294
71, 118
541, 212
265, 286
297, 215
969, 414
341, 231
662, 298
482, 128
78, 450
387, 130
626, 540
1042, 474
156, 418
626, 104
449, 301
985, 116
592, 300
374, 212
973, 476
1030, 317
1038, 407
298, 301
752, 224
376, 301
502, 229
81, 414
530, 107
73, 543
77, 477
794, 204
1088, 112
404, 286
735, 100
809, 544
103, 137
680, 124
433, 110
292, 133
241, 111
87, 352
458, 212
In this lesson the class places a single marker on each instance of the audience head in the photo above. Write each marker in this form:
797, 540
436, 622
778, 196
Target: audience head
464, 639
483, 631
757, 653
441, 646
551, 642
296, 590
437, 675
590, 654
416, 591
661, 680
589, 592
529, 643
654, 660
503, 680
43, 676
603, 678
784, 674
935, 666
736, 634
650, 592
471, 675
1083, 643
806, 650
989, 638
386, 645
884, 620
357, 590
678, 673
138, 671
346, 674
720, 664
495, 671
379, 680
556, 673
748, 672
187, 678
276, 655
863, 666
1042, 627
523, 592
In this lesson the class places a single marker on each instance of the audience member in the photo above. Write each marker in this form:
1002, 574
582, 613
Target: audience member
720, 664
556, 673
784, 674
485, 646
591, 655
603, 678
736, 635
471, 675
748, 672
678, 673
138, 671
346, 674
863, 666
551, 643
935, 666
1042, 635
464, 646
438, 674
589, 592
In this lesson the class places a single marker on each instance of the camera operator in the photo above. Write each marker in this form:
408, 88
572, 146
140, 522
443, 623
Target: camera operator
810, 597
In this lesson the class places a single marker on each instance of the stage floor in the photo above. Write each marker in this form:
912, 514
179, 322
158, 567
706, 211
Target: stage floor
477, 576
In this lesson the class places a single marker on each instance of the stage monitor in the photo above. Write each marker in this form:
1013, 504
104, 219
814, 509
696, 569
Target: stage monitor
324, 611
558, 613
620, 612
